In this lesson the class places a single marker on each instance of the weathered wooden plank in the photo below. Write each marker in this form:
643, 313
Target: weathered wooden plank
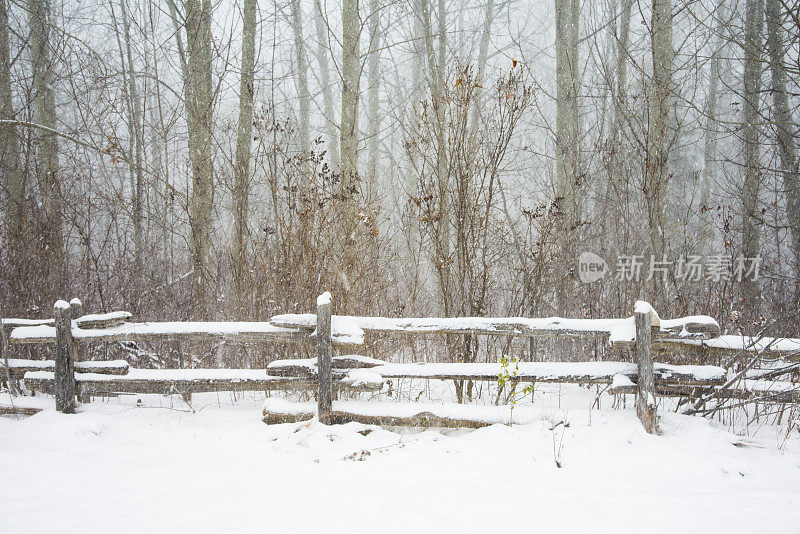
324, 378
613, 329
175, 386
18, 367
103, 320
338, 417
556, 372
64, 381
778, 396
18, 410
646, 391
180, 331
166, 381
12, 322
307, 367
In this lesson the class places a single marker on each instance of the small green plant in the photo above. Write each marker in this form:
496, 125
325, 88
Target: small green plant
509, 369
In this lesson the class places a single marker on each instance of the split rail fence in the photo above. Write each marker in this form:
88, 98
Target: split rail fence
644, 335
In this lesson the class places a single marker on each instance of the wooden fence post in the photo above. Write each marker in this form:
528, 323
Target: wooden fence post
324, 397
76, 307
65, 366
646, 390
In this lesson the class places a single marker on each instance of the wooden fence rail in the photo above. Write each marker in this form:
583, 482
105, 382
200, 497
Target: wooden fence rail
644, 334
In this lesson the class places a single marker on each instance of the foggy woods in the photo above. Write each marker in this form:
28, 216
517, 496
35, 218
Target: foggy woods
533, 262
231, 160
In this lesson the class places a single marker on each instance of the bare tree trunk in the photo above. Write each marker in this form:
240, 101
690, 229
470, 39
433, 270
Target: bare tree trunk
710, 151
47, 142
785, 131
567, 139
656, 175
349, 185
373, 87
751, 293
327, 89
618, 185
12, 175
244, 138
436, 80
351, 78
136, 133
200, 106
483, 56
302, 76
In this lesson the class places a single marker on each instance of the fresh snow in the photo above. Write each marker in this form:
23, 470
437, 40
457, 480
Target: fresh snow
363, 378
645, 307
146, 463
155, 328
94, 317
617, 329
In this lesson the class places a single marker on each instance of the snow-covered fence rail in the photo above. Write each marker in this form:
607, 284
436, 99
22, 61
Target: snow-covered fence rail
615, 330
644, 334
64, 377
234, 331
638, 330
17, 367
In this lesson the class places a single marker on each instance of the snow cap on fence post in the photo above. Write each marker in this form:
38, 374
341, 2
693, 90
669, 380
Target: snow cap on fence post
64, 364
642, 306
645, 391
325, 394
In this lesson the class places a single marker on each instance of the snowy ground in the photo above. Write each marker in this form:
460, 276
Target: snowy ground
122, 466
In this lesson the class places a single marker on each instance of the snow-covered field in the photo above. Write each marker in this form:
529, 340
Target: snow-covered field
123, 466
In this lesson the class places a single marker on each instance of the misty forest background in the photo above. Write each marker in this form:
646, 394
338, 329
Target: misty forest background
230, 160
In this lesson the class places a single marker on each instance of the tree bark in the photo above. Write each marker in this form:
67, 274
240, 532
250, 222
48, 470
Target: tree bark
327, 89
244, 138
710, 149
44, 108
349, 177
751, 225
373, 96
12, 175
302, 77
136, 133
784, 129
351, 77
656, 175
483, 57
617, 185
568, 174
200, 106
